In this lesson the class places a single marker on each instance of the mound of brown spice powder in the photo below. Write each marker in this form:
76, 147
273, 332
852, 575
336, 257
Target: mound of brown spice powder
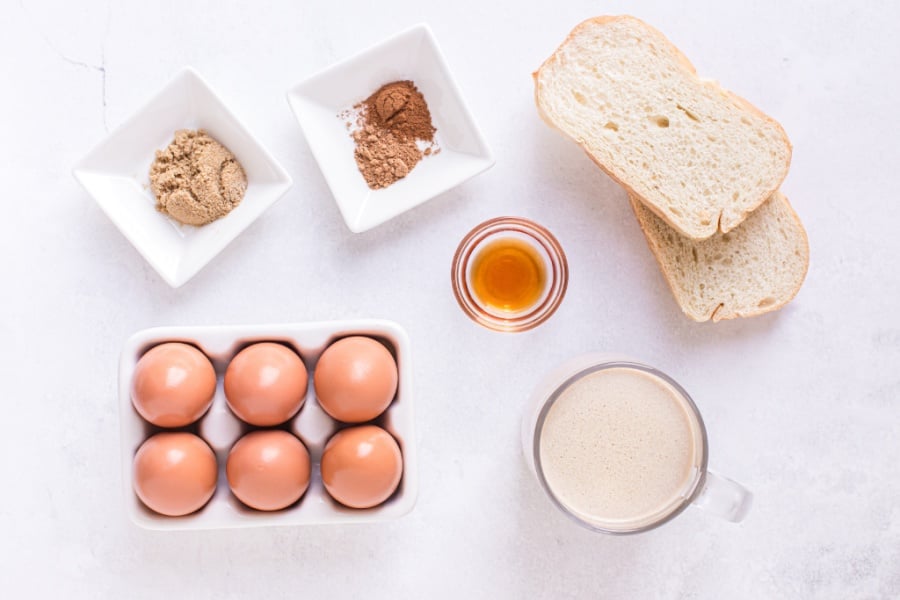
195, 179
393, 133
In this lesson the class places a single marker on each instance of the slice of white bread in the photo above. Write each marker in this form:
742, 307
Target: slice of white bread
698, 156
756, 268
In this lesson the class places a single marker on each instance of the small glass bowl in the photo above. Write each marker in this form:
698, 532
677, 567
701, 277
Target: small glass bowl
555, 266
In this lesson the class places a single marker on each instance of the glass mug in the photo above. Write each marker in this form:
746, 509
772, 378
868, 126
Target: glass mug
621, 448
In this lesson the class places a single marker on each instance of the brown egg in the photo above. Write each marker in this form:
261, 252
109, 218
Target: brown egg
268, 470
173, 385
356, 379
175, 473
265, 384
361, 466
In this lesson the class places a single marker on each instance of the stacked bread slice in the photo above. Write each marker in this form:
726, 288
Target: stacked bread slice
701, 166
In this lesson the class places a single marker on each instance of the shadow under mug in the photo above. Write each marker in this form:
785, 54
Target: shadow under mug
716, 494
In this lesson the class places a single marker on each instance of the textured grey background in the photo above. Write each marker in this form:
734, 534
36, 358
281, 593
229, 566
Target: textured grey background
801, 405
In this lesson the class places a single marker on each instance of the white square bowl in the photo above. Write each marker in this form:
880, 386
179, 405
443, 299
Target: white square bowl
414, 55
221, 429
117, 174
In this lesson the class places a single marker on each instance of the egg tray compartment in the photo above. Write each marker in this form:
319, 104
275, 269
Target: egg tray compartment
220, 428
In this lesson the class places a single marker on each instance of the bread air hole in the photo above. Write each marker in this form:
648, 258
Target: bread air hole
660, 121
689, 114
579, 98
768, 301
611, 126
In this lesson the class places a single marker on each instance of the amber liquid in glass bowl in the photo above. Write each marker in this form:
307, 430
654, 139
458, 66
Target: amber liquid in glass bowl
508, 274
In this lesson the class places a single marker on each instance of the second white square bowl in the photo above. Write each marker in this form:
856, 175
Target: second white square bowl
410, 55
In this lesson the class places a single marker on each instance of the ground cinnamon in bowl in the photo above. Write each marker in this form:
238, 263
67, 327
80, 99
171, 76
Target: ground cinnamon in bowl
393, 133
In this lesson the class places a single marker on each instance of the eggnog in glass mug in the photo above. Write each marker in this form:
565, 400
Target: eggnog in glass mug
621, 448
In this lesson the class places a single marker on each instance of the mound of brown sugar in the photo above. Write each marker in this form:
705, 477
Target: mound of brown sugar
196, 180
393, 124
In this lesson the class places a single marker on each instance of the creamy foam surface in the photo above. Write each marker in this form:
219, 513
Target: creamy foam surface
621, 448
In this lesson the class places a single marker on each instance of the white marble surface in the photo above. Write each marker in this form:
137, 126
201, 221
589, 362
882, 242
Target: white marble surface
801, 405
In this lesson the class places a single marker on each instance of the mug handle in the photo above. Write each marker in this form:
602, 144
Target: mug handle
724, 498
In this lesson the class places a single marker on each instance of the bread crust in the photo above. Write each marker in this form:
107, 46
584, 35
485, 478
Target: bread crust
714, 313
743, 103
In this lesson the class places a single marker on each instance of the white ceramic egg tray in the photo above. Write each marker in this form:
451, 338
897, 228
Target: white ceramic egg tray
221, 429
